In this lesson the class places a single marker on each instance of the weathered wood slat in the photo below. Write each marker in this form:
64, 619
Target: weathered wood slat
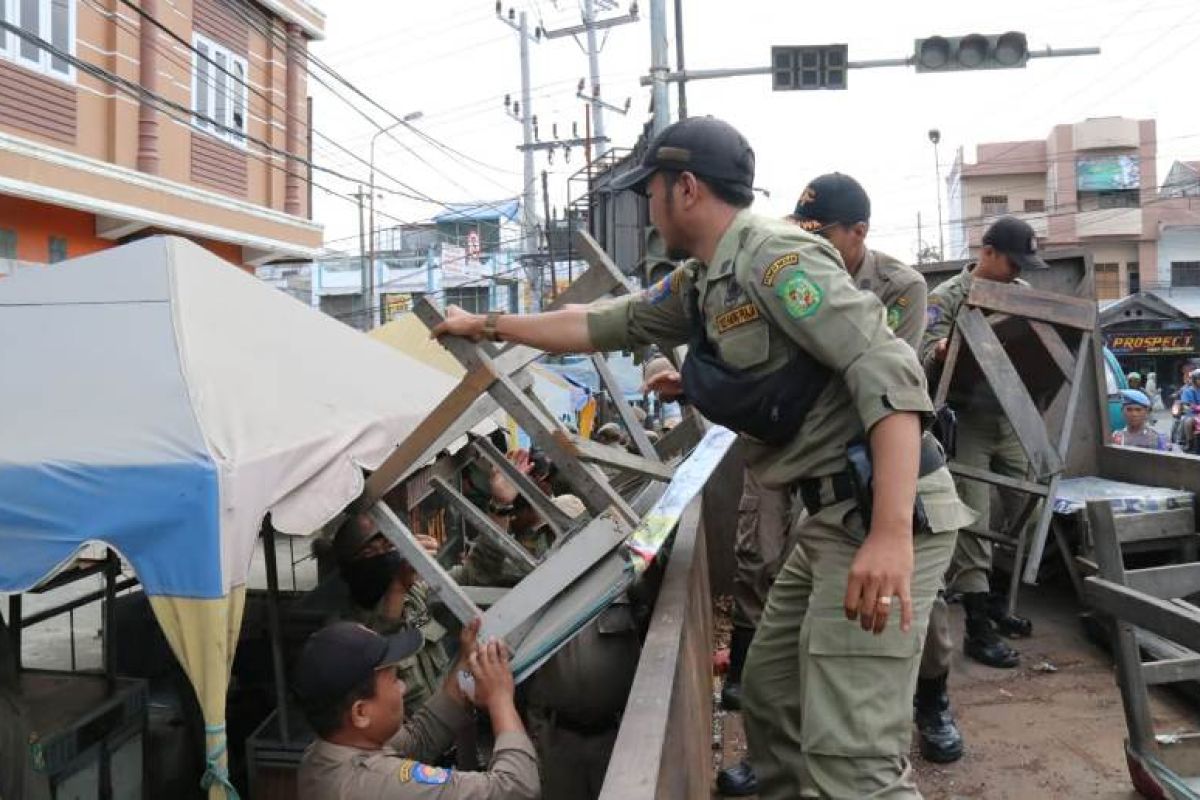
487, 528
558, 521
1165, 583
611, 456
1024, 301
1156, 525
1174, 670
1010, 392
1060, 354
995, 479
636, 432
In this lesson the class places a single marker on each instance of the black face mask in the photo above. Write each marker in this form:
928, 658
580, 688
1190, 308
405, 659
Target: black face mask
369, 578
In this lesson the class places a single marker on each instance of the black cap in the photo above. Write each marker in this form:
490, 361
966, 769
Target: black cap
830, 199
704, 146
1015, 239
340, 656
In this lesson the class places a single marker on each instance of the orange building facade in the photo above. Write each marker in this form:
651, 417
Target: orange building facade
187, 117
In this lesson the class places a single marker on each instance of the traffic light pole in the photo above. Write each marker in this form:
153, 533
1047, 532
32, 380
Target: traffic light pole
910, 61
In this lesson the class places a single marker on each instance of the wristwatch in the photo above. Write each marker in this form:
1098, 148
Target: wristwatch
500, 510
489, 326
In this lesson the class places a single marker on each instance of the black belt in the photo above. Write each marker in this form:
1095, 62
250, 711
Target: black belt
818, 493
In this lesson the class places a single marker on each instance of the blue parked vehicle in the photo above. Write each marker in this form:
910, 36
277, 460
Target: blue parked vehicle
1115, 381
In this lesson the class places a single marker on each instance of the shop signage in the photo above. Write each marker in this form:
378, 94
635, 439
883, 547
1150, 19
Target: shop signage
1151, 343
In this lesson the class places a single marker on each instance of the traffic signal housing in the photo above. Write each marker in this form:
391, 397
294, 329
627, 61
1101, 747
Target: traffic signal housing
809, 67
973, 51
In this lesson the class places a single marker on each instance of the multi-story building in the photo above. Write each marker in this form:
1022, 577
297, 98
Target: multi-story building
124, 118
466, 256
1093, 185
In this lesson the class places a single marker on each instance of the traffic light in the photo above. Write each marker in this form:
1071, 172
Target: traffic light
973, 51
809, 67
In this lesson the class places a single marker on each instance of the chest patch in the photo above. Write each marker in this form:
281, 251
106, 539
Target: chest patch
737, 317
781, 263
801, 297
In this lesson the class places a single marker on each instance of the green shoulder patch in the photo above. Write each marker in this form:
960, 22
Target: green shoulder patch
893, 316
773, 269
801, 297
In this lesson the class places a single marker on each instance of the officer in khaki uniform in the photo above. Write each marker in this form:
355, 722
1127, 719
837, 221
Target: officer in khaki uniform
784, 349
347, 684
985, 439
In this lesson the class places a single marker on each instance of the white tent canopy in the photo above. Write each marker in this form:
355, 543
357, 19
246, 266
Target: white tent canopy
162, 402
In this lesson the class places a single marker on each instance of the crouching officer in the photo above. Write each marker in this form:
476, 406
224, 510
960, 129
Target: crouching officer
785, 349
347, 683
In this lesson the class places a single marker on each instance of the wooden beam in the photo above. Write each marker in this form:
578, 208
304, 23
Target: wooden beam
1060, 354
430, 429
1156, 525
1010, 392
1174, 670
449, 592
1024, 301
681, 438
481, 522
996, 479
602, 277
637, 433
558, 521
1165, 583
1158, 616
560, 569
613, 456
953, 352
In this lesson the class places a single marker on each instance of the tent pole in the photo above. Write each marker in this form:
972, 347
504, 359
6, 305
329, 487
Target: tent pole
112, 568
268, 537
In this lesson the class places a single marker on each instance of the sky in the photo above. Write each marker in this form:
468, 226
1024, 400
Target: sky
453, 62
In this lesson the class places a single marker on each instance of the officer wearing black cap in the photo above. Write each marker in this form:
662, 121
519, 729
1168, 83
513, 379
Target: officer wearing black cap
347, 683
985, 439
784, 349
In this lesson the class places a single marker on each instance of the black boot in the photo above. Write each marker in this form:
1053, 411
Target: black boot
941, 741
1011, 625
731, 692
738, 780
981, 642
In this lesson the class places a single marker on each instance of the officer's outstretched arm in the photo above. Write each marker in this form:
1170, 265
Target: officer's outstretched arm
564, 331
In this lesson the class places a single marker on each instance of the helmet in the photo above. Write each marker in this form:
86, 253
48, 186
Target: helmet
1194, 375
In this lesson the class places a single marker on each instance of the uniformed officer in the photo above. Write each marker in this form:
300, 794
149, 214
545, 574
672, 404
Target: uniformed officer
985, 439
387, 597
348, 686
787, 351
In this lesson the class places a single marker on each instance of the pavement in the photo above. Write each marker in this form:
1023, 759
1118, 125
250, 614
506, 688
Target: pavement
1053, 727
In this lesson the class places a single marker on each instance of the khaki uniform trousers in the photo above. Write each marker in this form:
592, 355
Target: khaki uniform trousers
827, 705
986, 441
761, 547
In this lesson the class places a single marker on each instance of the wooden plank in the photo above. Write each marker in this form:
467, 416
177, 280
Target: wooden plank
481, 522
1060, 354
1030, 303
1021, 523
612, 456
682, 438
485, 596
1156, 525
1134, 699
1174, 670
602, 277
1173, 580
560, 569
558, 521
662, 747
637, 433
1010, 392
417, 443
425, 564
1158, 616
953, 351
995, 479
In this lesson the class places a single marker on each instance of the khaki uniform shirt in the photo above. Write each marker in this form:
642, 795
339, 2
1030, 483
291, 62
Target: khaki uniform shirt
901, 289
771, 289
335, 772
423, 671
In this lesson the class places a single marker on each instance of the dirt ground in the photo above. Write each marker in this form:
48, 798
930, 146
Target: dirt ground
1052, 728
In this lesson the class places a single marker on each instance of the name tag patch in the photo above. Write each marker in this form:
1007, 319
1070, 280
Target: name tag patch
781, 263
737, 317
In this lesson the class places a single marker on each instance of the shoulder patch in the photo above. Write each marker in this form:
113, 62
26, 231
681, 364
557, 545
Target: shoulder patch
902, 302
783, 262
737, 317
659, 292
893, 316
415, 772
801, 297
933, 315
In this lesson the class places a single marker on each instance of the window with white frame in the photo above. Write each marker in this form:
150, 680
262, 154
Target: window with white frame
219, 90
52, 21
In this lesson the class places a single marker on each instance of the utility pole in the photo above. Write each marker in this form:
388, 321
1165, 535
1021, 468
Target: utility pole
549, 243
659, 66
525, 114
360, 195
679, 63
589, 27
935, 136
